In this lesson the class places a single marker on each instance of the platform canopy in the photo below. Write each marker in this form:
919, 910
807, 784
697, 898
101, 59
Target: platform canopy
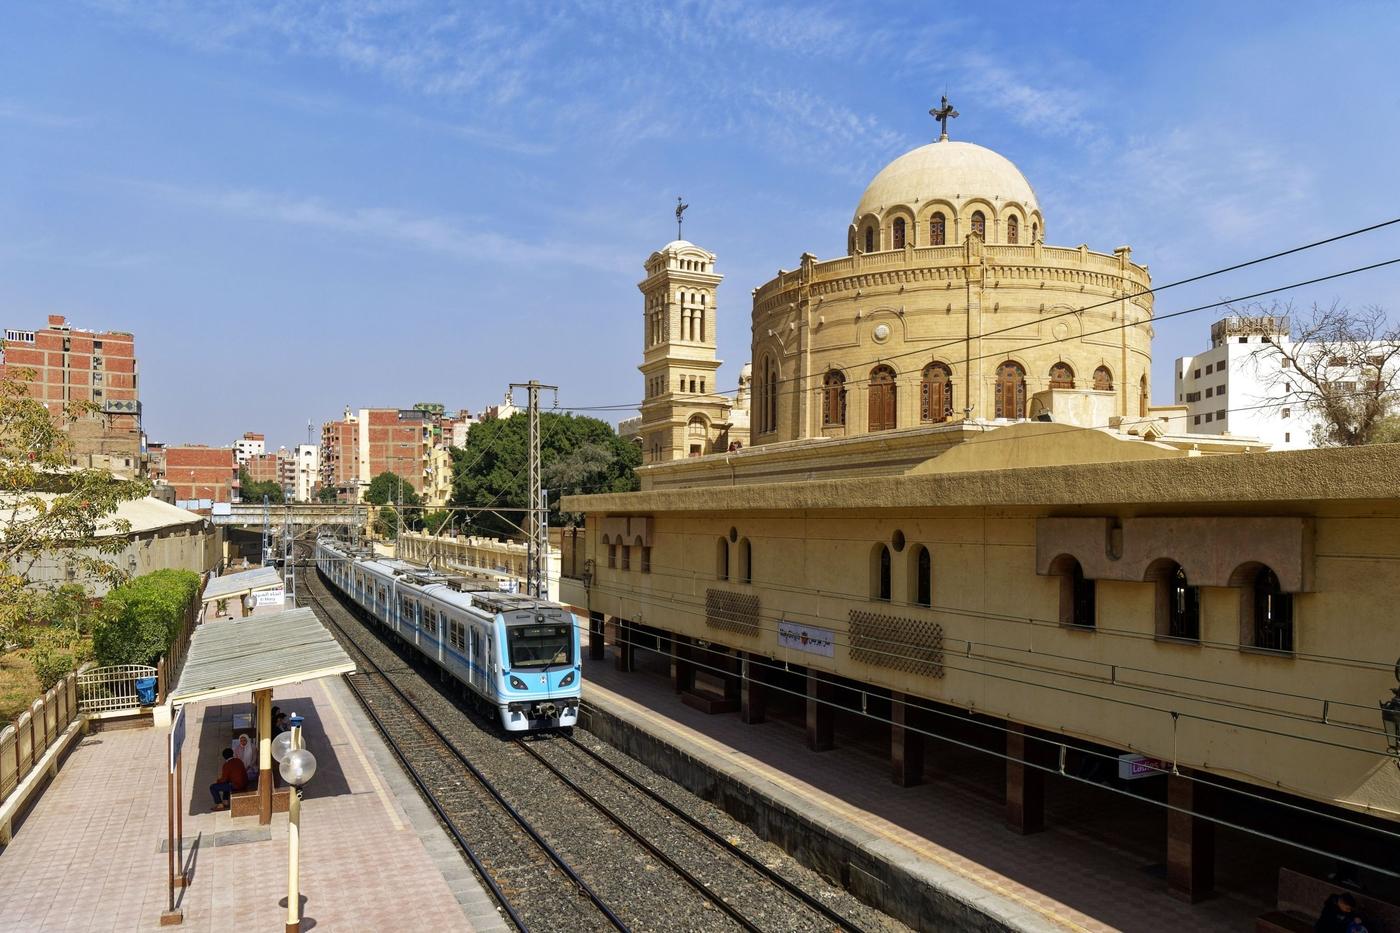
233, 656
242, 583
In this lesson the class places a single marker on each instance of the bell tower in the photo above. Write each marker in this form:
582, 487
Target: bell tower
683, 414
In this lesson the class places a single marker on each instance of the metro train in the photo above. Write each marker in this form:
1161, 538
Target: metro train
517, 654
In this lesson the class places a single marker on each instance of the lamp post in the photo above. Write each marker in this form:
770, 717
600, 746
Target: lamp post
298, 766
1390, 718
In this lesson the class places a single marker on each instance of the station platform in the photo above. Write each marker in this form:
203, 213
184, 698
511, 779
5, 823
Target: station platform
91, 854
1096, 866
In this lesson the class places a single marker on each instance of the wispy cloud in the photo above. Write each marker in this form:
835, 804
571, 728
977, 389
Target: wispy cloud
475, 243
19, 113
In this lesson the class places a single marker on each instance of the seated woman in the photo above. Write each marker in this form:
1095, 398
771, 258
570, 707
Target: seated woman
244, 751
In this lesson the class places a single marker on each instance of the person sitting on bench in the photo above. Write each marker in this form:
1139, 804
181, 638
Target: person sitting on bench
233, 777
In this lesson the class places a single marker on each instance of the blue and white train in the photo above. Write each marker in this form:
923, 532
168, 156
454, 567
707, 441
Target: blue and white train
517, 654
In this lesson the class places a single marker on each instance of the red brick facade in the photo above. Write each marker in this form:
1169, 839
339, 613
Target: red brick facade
199, 472
72, 365
370, 441
263, 468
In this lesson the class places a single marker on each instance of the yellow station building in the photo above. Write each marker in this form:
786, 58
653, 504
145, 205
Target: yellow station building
955, 493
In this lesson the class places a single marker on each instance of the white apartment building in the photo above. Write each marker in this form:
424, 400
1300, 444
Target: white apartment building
306, 472
1243, 387
248, 446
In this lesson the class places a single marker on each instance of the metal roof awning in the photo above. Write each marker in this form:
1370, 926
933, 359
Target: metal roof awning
241, 583
235, 656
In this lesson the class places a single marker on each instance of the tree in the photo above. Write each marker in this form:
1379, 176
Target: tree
327, 494
393, 495
48, 508
1342, 366
578, 454
253, 490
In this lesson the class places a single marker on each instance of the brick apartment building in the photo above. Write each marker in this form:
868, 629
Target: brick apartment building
262, 468
370, 441
74, 365
197, 473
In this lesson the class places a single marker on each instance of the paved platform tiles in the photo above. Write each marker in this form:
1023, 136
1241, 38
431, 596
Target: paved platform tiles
1099, 865
91, 855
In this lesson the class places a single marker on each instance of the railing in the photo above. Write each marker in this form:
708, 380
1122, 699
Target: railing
24, 742
112, 689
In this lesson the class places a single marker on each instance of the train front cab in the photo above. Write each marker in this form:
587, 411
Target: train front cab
541, 670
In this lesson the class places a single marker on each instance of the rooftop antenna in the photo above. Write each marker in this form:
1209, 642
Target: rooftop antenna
680, 210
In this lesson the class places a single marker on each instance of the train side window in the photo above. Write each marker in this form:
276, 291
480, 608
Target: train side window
430, 621
456, 635
476, 644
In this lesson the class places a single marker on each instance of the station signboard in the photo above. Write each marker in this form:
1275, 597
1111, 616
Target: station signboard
806, 638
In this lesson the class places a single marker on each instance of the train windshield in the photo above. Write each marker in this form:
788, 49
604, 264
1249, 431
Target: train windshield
540, 645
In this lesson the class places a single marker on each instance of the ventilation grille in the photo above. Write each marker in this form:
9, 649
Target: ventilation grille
734, 612
898, 643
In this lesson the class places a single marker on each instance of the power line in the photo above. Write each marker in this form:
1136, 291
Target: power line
1062, 773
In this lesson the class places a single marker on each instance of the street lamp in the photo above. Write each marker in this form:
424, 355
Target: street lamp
1390, 717
298, 766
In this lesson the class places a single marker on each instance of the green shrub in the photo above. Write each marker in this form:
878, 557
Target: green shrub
140, 619
50, 663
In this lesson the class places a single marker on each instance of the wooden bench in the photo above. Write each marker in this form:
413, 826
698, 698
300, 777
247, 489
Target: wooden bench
245, 802
1300, 900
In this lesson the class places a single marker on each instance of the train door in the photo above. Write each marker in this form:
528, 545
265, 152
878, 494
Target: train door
474, 636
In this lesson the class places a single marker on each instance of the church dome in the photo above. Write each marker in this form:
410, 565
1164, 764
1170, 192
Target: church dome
956, 180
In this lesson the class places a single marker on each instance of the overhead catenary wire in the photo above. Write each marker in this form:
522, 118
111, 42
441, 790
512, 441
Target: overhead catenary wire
1048, 740
1145, 322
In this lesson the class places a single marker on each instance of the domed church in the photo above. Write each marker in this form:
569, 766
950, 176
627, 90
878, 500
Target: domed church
948, 307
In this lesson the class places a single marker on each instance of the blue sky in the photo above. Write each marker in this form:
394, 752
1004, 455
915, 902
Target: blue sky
302, 206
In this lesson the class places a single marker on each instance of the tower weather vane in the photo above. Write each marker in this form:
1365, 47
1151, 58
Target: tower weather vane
941, 114
680, 209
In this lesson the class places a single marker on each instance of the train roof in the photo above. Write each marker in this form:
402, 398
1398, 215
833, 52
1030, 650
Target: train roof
451, 588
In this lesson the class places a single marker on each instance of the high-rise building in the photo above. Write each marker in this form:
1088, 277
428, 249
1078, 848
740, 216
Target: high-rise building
71, 365
370, 441
248, 446
263, 468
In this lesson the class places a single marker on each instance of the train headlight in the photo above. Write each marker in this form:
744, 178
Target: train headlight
517, 683
568, 679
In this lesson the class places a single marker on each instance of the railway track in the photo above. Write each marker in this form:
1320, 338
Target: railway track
538, 816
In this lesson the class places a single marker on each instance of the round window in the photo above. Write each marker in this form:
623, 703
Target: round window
733, 534
881, 332
897, 542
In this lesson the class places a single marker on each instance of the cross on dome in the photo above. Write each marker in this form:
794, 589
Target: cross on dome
941, 114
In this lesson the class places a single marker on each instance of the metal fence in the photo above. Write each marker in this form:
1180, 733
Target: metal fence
23, 743
112, 689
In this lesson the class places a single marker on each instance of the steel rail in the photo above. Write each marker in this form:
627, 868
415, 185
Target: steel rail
481, 779
685, 874
717, 838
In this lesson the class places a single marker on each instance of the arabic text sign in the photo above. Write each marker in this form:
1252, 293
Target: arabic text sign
806, 638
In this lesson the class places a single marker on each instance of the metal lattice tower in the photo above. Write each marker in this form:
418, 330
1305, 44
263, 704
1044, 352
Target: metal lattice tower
289, 579
537, 516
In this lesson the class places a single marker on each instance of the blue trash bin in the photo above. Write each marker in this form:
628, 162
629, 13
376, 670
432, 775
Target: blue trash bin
146, 690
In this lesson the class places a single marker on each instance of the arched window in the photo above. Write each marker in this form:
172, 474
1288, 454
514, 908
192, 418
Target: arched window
870, 239
697, 435
936, 393
921, 564
766, 396
938, 229
833, 399
1061, 376
899, 233
1013, 229
1010, 394
722, 559
880, 585
1078, 595
1144, 399
1266, 611
1178, 602
745, 561
979, 224
1103, 379
1035, 233
882, 399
